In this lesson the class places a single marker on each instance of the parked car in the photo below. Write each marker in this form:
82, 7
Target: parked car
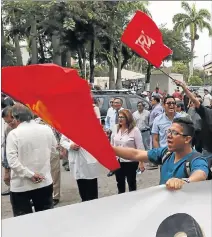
130, 100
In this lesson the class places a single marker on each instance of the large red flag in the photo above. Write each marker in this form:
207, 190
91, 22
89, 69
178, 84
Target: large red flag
62, 99
143, 36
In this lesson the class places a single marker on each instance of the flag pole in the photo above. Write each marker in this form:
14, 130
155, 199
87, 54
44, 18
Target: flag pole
166, 74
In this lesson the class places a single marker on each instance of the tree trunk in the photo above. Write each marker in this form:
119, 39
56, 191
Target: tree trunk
42, 55
111, 69
118, 80
148, 76
33, 34
63, 59
56, 48
80, 59
91, 56
191, 69
68, 58
18, 51
3, 48
84, 68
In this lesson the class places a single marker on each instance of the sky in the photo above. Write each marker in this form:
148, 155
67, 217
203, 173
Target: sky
163, 12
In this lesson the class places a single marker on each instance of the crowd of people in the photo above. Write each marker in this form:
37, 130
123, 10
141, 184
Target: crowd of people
174, 135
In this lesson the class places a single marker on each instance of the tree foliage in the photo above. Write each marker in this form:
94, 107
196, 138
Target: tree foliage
195, 81
194, 21
88, 32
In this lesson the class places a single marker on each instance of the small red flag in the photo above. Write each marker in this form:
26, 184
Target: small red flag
143, 36
62, 99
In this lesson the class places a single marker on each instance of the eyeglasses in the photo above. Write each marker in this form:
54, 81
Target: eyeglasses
171, 103
175, 133
121, 117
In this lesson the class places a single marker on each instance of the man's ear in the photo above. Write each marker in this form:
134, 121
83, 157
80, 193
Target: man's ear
188, 139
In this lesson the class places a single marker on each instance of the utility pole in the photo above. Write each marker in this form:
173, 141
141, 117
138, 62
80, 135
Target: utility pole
204, 66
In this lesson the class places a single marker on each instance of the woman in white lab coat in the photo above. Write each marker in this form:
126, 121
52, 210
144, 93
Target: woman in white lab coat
84, 167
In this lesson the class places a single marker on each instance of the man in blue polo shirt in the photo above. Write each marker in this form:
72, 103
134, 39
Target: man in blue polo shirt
162, 123
179, 138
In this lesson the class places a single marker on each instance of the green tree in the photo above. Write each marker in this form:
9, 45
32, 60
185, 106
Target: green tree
195, 81
182, 68
175, 41
12, 17
194, 20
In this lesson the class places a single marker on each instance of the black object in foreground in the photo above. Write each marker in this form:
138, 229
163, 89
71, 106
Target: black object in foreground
179, 223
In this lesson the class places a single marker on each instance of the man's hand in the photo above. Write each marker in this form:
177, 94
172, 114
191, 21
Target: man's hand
75, 147
180, 83
7, 177
141, 166
175, 184
37, 178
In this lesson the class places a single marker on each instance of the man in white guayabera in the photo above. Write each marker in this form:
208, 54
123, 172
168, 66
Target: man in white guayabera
29, 147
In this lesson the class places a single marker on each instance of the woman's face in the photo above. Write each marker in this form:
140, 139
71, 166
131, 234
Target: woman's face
122, 119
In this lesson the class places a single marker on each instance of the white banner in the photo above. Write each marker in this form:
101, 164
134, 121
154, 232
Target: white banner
135, 214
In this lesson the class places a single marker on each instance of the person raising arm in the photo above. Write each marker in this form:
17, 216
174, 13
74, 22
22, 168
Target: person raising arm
206, 123
173, 172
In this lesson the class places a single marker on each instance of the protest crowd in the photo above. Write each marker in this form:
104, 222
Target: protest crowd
175, 137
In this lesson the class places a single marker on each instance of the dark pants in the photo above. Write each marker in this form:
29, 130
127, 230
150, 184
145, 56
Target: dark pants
41, 198
88, 189
127, 170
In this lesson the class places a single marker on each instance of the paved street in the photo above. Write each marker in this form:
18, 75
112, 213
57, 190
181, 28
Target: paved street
69, 191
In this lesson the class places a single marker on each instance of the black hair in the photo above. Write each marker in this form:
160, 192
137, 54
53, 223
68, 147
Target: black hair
6, 102
180, 104
141, 102
156, 98
96, 101
6, 111
187, 124
117, 98
22, 113
179, 222
168, 97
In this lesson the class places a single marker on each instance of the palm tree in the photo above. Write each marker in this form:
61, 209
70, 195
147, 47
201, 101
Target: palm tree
193, 20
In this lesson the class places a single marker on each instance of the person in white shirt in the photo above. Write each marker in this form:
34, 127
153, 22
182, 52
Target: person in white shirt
29, 148
145, 95
110, 113
7, 126
141, 117
207, 99
112, 120
84, 168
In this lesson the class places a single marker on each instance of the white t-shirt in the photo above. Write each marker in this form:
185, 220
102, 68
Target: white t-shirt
207, 100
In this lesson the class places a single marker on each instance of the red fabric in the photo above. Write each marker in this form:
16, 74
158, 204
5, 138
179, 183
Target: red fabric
143, 30
177, 95
62, 99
